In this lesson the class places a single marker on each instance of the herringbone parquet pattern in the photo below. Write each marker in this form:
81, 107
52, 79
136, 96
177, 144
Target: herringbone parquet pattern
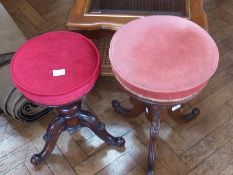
202, 147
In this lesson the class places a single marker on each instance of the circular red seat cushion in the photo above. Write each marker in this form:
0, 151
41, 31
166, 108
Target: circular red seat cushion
163, 57
34, 64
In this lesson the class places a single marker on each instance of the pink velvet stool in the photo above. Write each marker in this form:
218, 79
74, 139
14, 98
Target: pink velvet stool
162, 62
58, 69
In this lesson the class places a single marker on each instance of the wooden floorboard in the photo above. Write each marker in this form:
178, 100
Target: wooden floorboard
203, 146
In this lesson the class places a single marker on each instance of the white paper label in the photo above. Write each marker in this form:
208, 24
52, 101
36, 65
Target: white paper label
176, 107
59, 72
147, 110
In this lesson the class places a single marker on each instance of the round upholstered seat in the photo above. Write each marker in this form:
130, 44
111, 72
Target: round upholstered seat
56, 68
163, 58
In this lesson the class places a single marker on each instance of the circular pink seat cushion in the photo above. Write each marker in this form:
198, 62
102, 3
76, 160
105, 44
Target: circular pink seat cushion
34, 67
163, 58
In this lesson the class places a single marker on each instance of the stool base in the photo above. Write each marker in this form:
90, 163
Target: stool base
153, 114
70, 118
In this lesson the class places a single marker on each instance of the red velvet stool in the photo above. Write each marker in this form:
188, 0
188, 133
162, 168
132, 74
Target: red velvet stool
162, 62
58, 69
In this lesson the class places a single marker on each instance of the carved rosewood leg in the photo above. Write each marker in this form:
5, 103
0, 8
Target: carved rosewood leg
138, 108
179, 117
54, 130
154, 131
91, 121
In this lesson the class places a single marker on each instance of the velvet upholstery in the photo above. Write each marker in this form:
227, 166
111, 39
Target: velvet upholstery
163, 57
33, 65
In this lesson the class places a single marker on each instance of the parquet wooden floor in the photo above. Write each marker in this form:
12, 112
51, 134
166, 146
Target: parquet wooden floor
202, 147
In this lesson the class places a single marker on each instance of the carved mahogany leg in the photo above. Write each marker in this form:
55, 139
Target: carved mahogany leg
183, 118
54, 130
138, 108
88, 120
154, 131
65, 120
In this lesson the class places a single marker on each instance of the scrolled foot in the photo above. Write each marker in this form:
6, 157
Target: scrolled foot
179, 117
119, 141
88, 120
120, 109
116, 104
36, 159
138, 108
195, 112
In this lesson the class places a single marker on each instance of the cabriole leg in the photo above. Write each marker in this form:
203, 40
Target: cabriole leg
54, 130
138, 108
179, 117
88, 120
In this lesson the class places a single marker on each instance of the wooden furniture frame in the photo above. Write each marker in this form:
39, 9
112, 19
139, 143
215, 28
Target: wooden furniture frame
82, 20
